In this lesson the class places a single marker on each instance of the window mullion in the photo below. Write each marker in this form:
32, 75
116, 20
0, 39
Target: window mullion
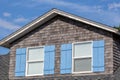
36, 61
81, 57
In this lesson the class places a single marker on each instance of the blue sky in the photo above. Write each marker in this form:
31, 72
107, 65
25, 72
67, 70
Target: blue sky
16, 13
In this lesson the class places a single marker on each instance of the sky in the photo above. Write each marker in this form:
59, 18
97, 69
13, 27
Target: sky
14, 14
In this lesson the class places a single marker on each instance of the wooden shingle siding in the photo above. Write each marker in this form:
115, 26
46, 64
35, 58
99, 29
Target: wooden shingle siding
4, 66
62, 30
117, 74
116, 52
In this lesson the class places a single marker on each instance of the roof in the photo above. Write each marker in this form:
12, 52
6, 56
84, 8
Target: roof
44, 18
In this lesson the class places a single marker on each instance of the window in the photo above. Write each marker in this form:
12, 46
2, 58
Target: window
35, 61
82, 57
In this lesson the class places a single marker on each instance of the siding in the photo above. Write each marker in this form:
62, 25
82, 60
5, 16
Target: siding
117, 74
61, 30
116, 52
4, 66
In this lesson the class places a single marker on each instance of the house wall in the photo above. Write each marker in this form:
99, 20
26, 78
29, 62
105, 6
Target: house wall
57, 31
117, 74
116, 52
4, 66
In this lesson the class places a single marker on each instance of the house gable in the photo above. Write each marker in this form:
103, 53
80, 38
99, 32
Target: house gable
56, 30
61, 30
46, 17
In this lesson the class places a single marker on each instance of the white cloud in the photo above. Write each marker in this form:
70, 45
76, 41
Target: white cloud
28, 4
20, 19
66, 4
109, 16
70, 5
114, 6
8, 25
6, 14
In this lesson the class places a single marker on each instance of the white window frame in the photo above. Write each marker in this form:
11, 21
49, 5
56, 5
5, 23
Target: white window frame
27, 62
82, 57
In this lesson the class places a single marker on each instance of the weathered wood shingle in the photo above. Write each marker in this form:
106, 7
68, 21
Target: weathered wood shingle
4, 67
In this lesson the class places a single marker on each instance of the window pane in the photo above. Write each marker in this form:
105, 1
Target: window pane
82, 64
82, 49
36, 54
35, 68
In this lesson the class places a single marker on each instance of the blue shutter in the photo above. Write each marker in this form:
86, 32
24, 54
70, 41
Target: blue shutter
66, 59
49, 59
98, 56
20, 62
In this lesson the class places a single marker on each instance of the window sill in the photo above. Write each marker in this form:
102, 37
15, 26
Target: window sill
35, 75
82, 72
